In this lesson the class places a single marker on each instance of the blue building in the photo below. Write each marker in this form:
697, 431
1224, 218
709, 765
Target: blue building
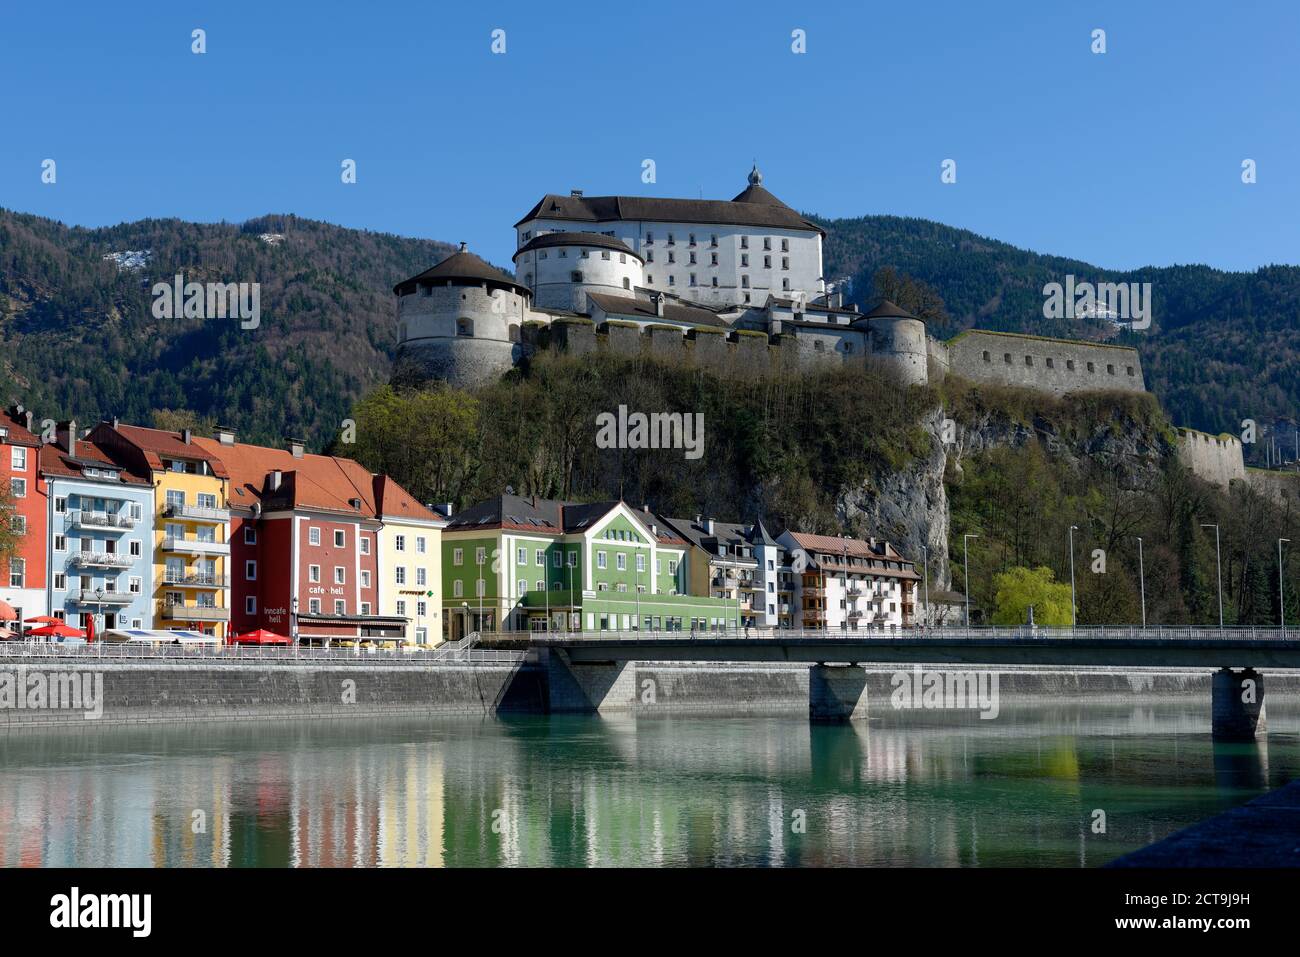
101, 535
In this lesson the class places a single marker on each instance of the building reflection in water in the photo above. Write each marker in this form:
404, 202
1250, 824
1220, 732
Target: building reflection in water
903, 790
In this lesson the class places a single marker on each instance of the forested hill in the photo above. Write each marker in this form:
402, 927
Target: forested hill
77, 336
1222, 347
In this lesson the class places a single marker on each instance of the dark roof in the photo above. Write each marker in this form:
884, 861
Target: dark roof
541, 515
889, 310
598, 209
645, 309
462, 266
730, 534
758, 195
598, 240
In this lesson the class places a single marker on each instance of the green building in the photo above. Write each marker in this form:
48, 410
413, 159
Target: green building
527, 564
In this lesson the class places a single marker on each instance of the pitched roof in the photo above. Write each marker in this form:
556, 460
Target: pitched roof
839, 547
325, 482
598, 240
464, 266
544, 516
395, 502
19, 434
889, 310
155, 443
57, 462
602, 209
645, 309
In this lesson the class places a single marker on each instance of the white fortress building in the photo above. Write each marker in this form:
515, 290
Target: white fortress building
738, 282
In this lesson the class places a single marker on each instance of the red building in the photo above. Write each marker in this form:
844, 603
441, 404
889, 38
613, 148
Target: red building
23, 577
304, 550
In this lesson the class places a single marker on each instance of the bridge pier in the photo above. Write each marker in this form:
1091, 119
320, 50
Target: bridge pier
596, 687
837, 693
1238, 705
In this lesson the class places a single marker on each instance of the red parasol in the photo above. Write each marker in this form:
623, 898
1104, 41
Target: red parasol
59, 630
46, 619
259, 637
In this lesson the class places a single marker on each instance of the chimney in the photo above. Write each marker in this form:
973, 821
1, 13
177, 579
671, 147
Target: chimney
66, 434
225, 435
186, 434
659, 304
708, 525
576, 193
296, 447
462, 246
446, 508
276, 476
115, 422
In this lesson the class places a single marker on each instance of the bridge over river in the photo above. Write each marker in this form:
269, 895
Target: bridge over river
596, 662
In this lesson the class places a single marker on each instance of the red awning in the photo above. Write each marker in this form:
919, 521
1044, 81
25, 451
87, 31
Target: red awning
259, 637
59, 630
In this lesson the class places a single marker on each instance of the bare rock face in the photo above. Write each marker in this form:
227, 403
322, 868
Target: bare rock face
907, 507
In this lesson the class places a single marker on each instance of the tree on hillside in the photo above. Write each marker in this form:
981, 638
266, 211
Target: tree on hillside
1018, 588
917, 297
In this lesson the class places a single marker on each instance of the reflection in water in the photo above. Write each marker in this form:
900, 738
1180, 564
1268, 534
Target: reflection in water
906, 789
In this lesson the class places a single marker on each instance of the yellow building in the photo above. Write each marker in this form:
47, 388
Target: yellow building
410, 562
191, 527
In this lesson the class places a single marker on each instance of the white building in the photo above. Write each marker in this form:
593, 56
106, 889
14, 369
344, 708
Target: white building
845, 584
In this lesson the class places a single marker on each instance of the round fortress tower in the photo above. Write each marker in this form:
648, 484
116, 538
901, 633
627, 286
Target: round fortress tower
460, 321
562, 267
897, 338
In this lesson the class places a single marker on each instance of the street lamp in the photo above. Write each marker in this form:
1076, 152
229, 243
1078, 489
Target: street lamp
293, 625
1218, 570
1281, 597
99, 613
1074, 607
1142, 583
965, 547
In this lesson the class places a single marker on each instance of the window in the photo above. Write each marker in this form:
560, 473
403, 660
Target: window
458, 556
313, 574
401, 607
767, 262
458, 588
744, 259
1069, 364
556, 556
540, 559
250, 571
573, 559
620, 562
744, 242
313, 606
340, 606
785, 245
640, 563
18, 523
399, 574
672, 566
986, 355
421, 609
363, 542
422, 577
365, 578
1130, 370
480, 556
465, 327
134, 548
1050, 362
523, 585
135, 584
365, 608
18, 458
313, 536
17, 572
575, 276
1091, 367
1029, 360
1006, 357
60, 543
340, 576
250, 604
1110, 369
250, 535
659, 566
18, 487
541, 585
420, 545
521, 556
601, 560
340, 538
61, 504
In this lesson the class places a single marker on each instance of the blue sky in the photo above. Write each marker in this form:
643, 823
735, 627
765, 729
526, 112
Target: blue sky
1123, 159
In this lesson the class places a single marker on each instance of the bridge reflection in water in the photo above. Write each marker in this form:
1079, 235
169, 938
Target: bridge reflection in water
590, 791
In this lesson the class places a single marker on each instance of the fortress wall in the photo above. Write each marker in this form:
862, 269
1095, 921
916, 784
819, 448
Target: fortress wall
1215, 458
1057, 366
577, 338
1281, 488
937, 362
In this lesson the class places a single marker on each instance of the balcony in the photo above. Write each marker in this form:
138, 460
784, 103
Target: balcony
87, 596
195, 546
112, 521
179, 611
197, 513
197, 580
101, 560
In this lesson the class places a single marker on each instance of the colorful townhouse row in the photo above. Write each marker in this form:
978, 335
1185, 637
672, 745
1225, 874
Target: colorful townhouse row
150, 530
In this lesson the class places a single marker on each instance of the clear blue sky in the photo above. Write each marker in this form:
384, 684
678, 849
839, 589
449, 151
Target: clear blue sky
1123, 159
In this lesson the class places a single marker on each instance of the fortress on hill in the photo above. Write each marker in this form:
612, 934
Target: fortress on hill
736, 285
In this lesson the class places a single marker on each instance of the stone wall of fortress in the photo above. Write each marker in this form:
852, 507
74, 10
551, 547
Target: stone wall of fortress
1215, 458
1057, 366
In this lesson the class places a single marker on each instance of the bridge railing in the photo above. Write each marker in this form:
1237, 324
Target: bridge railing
1085, 633
16, 652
